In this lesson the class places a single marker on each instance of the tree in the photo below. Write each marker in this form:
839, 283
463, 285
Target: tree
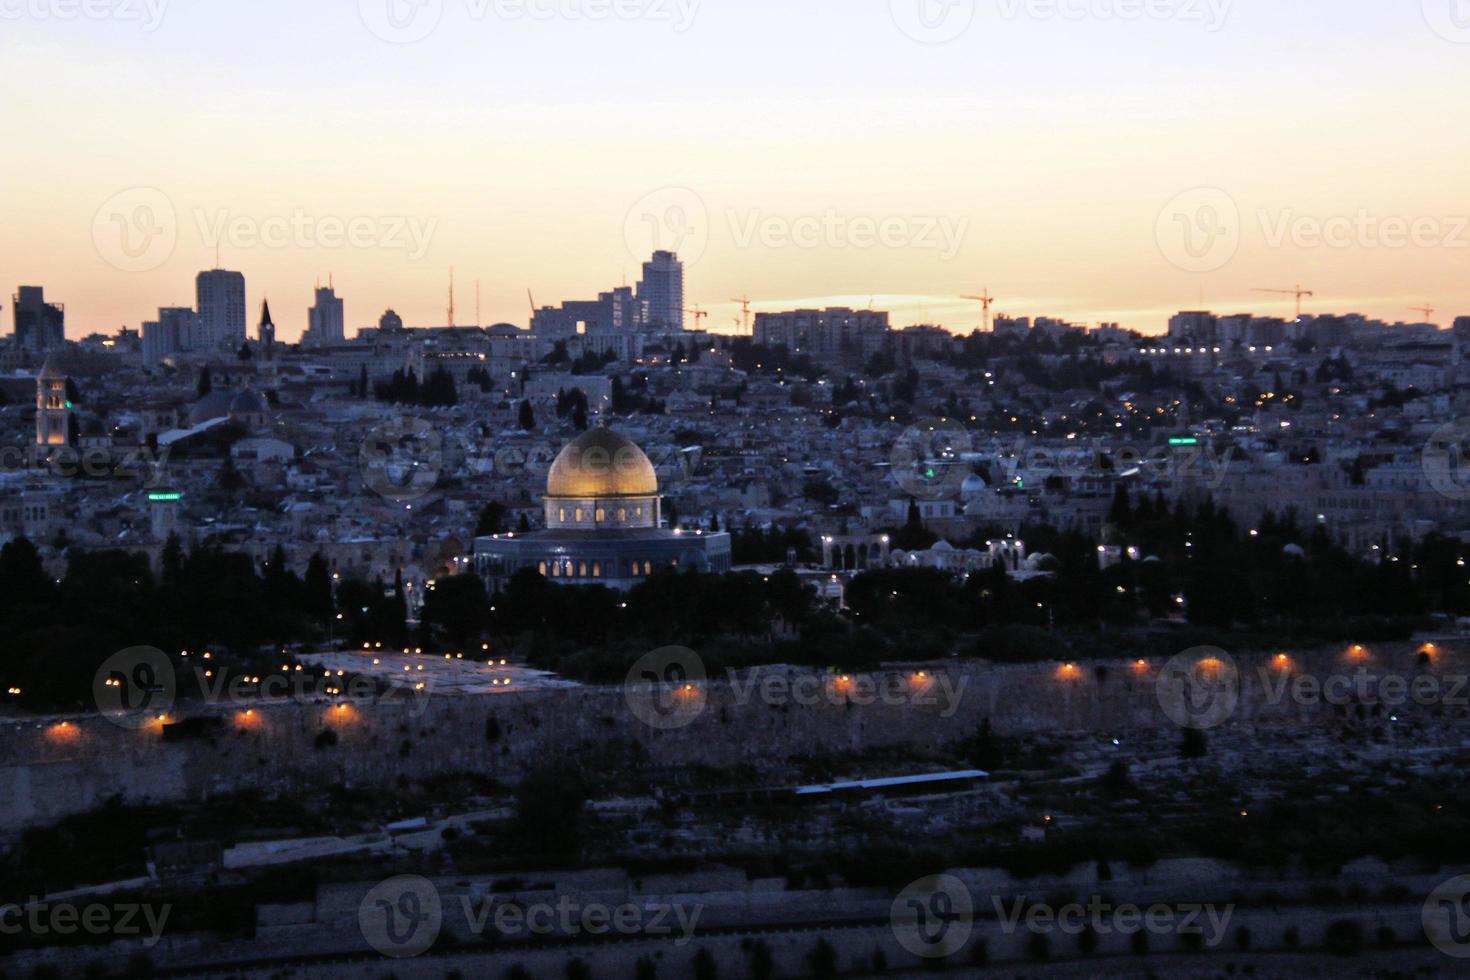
527, 417
317, 588
551, 808
492, 520
459, 608
823, 959
762, 964
206, 383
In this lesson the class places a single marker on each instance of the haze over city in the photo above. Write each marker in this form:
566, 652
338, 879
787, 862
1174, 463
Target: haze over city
521, 138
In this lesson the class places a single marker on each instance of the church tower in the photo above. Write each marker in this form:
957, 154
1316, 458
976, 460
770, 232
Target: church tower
53, 411
267, 332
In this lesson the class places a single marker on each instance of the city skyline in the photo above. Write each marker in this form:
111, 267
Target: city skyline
464, 151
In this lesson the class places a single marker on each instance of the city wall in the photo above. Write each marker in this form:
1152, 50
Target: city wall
51, 768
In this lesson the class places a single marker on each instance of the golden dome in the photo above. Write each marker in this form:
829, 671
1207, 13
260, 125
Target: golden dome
601, 463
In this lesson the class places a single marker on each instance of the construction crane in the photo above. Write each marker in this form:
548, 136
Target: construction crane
698, 315
744, 313
451, 296
532, 299
1428, 312
986, 300
1298, 292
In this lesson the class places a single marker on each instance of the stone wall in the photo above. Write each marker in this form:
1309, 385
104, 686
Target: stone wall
50, 768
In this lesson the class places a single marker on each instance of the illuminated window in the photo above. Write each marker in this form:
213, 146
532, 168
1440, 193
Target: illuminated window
648, 568
582, 570
563, 513
638, 512
579, 515
597, 569
601, 515
543, 569
622, 513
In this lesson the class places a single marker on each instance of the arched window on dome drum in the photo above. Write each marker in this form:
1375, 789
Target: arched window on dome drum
622, 514
582, 570
563, 513
648, 568
638, 512
579, 515
601, 515
597, 569
543, 569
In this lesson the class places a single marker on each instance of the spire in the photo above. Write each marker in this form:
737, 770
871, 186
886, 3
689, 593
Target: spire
265, 314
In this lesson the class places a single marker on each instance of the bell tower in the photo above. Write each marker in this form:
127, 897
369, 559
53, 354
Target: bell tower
53, 411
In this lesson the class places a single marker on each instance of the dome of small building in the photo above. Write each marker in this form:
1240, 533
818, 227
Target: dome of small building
601, 464
215, 405
248, 402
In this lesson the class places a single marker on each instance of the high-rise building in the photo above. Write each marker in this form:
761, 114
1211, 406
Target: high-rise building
1196, 326
826, 333
327, 320
661, 292
221, 305
39, 325
176, 330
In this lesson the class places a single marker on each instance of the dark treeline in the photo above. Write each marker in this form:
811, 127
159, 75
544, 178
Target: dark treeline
60, 632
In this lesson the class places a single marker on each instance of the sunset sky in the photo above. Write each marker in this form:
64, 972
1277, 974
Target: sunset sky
1040, 156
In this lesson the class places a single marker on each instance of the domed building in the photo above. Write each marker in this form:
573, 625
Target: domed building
604, 523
